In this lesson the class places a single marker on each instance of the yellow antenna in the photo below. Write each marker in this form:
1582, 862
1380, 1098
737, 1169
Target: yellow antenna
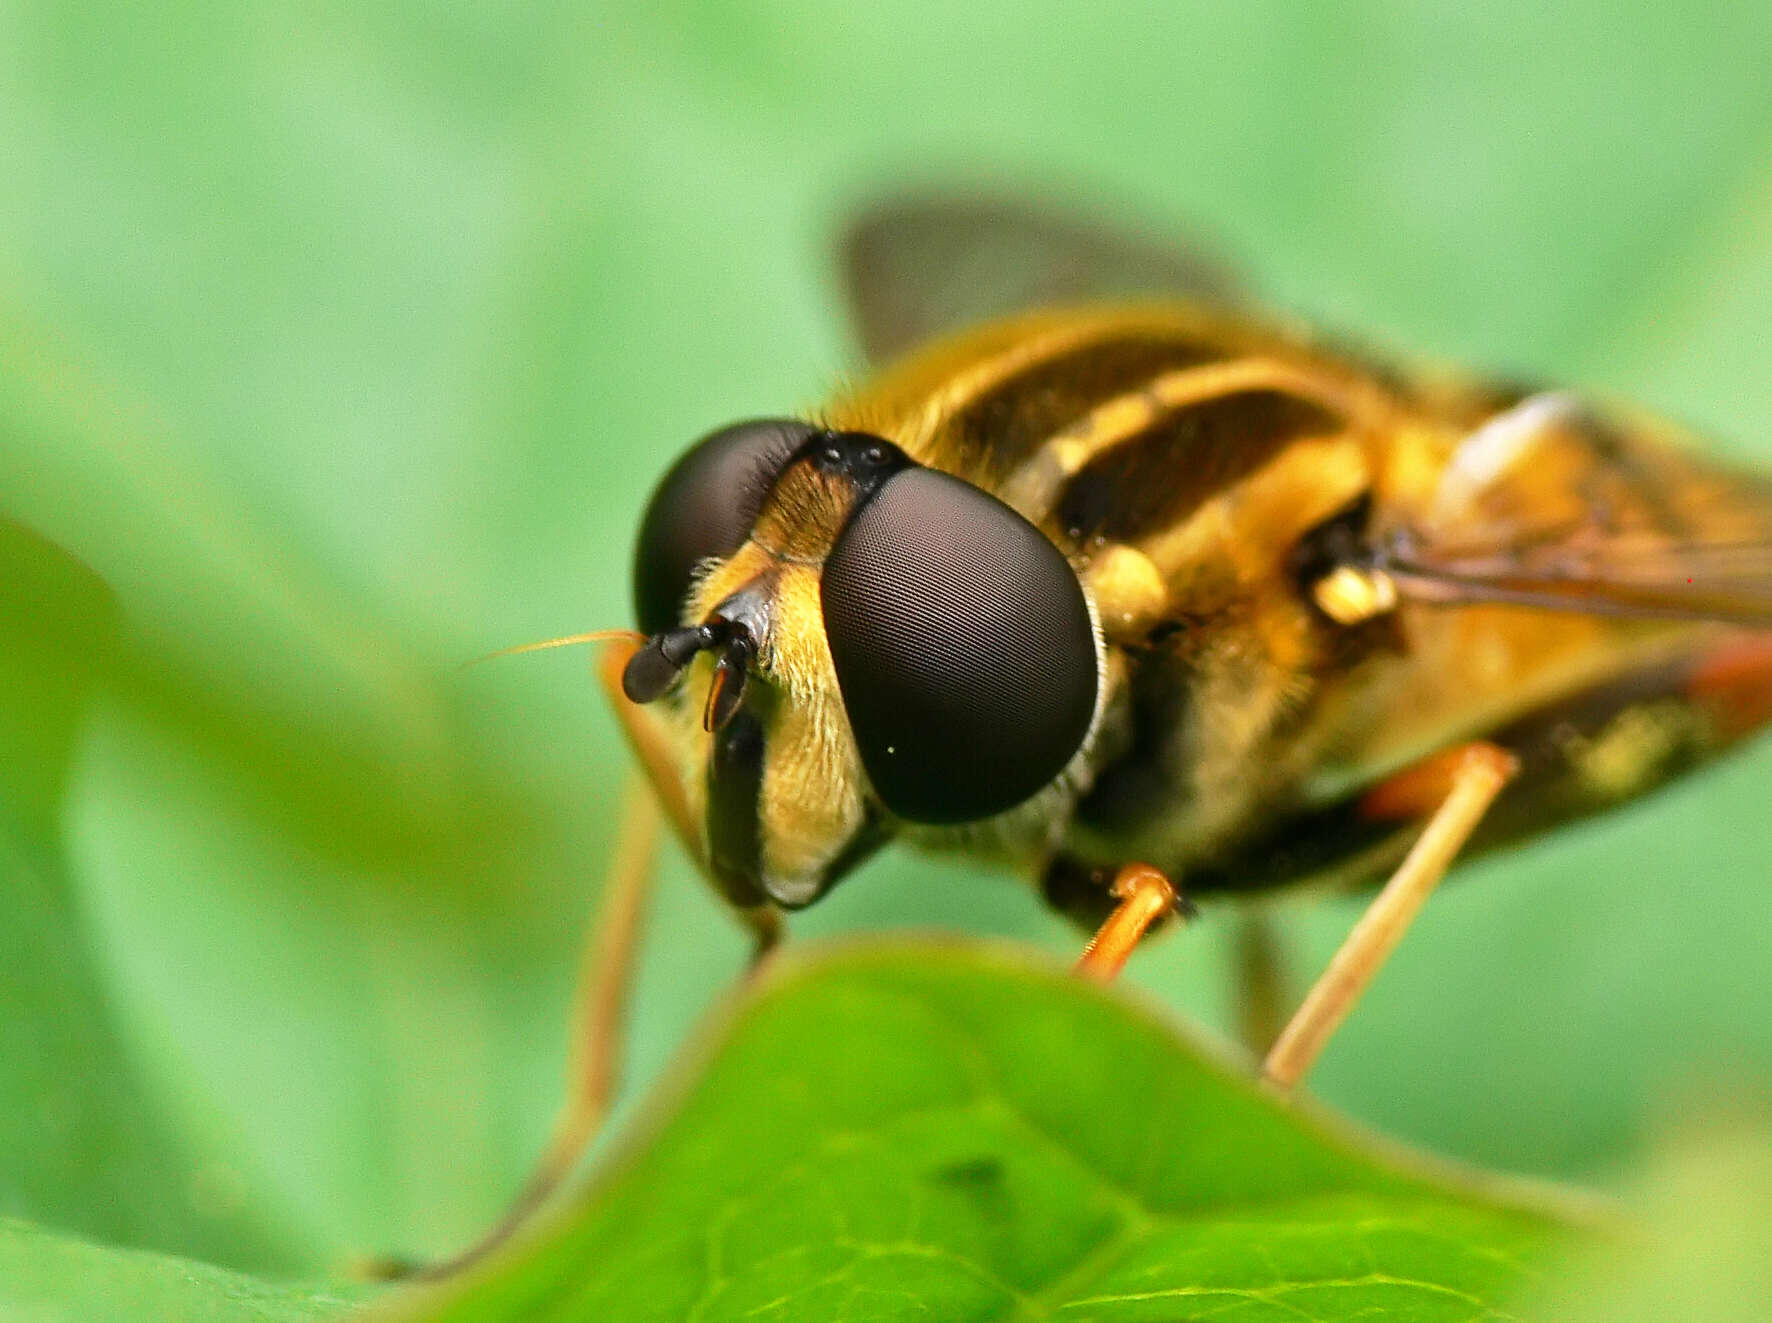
567, 641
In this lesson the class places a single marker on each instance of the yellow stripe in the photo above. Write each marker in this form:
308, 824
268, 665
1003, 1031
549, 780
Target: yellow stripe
1034, 487
981, 378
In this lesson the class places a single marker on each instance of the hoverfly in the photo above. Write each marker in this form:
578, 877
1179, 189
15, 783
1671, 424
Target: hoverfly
1114, 580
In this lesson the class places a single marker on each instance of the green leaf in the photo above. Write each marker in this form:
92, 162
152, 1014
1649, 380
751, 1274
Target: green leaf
54, 1279
952, 1132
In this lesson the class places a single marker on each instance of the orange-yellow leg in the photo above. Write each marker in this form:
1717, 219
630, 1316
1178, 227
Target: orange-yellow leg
1145, 896
594, 1050
606, 970
1457, 787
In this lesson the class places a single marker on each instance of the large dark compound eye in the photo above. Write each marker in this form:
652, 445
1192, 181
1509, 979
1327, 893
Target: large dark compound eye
963, 647
705, 507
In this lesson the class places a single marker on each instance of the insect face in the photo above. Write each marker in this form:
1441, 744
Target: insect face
842, 641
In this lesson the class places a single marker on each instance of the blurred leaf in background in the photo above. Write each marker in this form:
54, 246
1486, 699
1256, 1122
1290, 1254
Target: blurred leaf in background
57, 1279
342, 343
81, 1146
1700, 1247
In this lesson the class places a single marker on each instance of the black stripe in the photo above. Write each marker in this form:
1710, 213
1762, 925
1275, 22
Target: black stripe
1153, 480
1005, 426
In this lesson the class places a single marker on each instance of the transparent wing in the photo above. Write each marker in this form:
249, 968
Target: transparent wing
1551, 504
1674, 580
916, 267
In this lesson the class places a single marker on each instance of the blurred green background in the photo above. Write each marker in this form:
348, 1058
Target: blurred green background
343, 342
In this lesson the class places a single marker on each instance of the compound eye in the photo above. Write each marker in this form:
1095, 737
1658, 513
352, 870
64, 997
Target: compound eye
963, 646
704, 507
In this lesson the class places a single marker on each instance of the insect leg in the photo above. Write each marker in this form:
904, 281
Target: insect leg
1261, 979
594, 1048
607, 967
1465, 782
1145, 896
764, 923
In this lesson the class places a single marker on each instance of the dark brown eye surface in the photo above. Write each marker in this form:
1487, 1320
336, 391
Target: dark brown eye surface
963, 648
704, 507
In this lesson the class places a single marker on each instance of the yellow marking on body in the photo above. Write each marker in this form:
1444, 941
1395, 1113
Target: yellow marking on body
1631, 750
806, 511
1035, 487
975, 381
800, 655
811, 799
1128, 590
1253, 524
717, 581
1349, 595
1495, 450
